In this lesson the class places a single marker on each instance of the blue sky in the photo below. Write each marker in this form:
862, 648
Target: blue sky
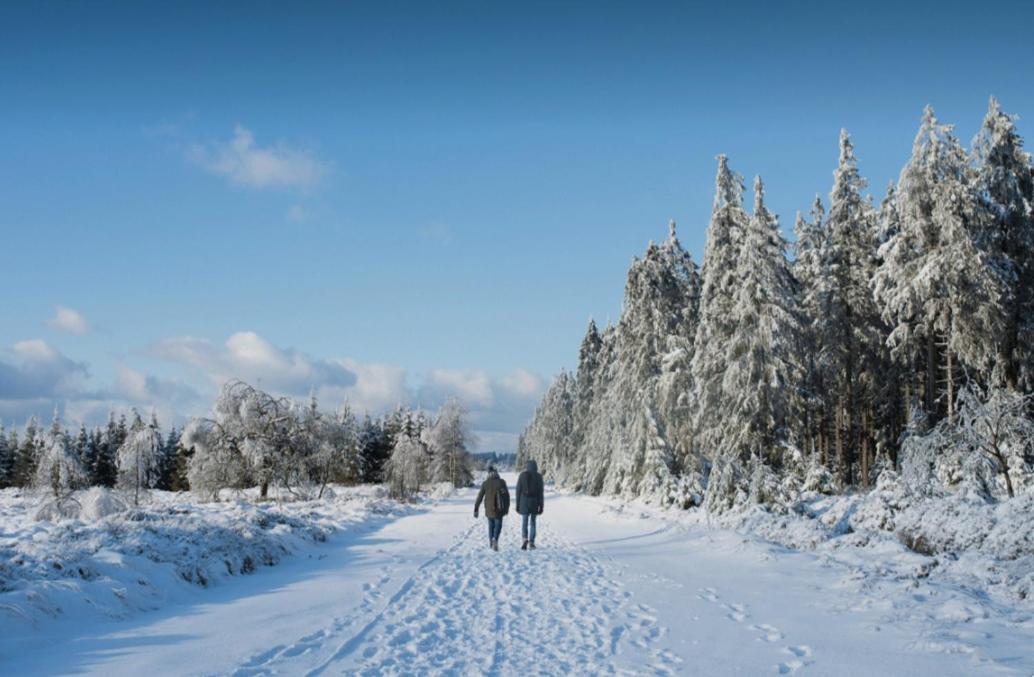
387, 201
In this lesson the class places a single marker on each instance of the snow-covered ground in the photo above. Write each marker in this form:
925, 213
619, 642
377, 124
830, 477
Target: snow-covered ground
612, 589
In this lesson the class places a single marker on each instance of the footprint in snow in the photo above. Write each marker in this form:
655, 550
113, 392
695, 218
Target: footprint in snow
768, 633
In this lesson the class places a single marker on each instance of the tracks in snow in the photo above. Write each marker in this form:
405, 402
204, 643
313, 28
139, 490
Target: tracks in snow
469, 610
795, 657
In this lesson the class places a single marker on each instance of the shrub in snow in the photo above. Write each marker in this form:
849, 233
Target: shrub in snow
447, 440
92, 504
216, 462
58, 469
139, 459
407, 468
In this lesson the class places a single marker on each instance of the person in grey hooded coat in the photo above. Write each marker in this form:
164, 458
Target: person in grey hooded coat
497, 503
530, 501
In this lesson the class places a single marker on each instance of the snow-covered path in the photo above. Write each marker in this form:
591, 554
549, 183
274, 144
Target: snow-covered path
607, 593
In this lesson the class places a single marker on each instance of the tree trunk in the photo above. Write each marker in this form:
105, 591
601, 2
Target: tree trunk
865, 459
950, 384
930, 388
838, 430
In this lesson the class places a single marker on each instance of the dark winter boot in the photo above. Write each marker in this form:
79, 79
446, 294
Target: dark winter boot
495, 545
525, 546
531, 545
491, 544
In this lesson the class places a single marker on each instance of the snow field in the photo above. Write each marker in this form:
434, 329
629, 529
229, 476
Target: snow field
614, 589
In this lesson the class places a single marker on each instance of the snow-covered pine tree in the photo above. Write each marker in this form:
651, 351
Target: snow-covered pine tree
809, 268
6, 460
719, 286
167, 479
566, 467
376, 446
140, 458
851, 340
28, 455
1005, 193
654, 343
58, 469
762, 368
606, 432
448, 439
82, 446
547, 439
105, 471
406, 470
676, 378
934, 286
350, 470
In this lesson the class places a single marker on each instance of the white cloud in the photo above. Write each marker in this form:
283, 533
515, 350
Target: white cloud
472, 387
69, 320
523, 383
38, 370
248, 356
245, 163
498, 408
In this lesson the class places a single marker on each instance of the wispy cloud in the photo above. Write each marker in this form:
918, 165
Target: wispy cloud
243, 162
248, 356
69, 320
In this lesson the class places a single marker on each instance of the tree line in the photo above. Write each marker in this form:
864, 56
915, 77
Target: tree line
773, 369
251, 439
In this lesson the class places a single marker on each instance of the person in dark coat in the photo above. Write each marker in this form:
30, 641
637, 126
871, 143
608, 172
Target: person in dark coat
530, 501
497, 503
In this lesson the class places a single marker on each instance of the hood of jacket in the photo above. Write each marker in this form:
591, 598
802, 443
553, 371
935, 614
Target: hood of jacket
532, 466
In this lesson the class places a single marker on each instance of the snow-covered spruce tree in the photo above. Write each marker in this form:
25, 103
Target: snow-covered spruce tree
676, 377
850, 338
934, 286
58, 469
104, 471
720, 283
810, 270
762, 369
1005, 193
167, 471
566, 468
81, 445
447, 439
27, 455
625, 446
349, 469
6, 459
406, 470
375, 449
140, 458
606, 433
548, 439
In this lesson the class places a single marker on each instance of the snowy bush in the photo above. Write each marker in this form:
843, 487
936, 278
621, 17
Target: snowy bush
407, 468
58, 469
139, 459
91, 504
97, 555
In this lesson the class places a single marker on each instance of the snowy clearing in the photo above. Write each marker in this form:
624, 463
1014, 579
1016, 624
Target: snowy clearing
613, 589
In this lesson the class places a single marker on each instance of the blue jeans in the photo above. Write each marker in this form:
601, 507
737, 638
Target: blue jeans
495, 525
526, 533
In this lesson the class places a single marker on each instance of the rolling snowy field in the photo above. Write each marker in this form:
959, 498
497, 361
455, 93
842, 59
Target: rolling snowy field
363, 587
